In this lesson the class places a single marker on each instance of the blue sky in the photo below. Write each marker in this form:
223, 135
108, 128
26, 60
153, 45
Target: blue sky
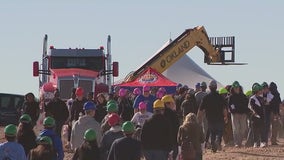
138, 30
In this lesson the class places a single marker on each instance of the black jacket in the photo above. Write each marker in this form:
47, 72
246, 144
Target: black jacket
125, 109
172, 117
57, 109
77, 108
238, 103
157, 133
275, 102
32, 109
101, 112
189, 106
125, 148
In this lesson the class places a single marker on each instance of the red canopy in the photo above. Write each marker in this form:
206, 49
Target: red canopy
149, 77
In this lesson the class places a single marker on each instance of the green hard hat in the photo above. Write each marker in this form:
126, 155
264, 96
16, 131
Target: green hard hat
111, 101
223, 91
248, 93
128, 127
112, 107
10, 130
45, 140
256, 87
25, 118
264, 85
236, 84
49, 122
90, 135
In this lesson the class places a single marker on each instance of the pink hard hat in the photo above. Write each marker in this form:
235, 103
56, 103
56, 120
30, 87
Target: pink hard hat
136, 91
160, 94
122, 92
142, 105
146, 88
162, 89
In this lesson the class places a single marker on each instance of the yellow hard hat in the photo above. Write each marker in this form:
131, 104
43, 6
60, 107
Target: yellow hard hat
168, 98
158, 104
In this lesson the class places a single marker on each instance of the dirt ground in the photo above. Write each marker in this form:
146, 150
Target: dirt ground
232, 153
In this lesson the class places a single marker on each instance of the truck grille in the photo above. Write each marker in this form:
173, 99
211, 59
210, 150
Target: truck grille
65, 88
67, 85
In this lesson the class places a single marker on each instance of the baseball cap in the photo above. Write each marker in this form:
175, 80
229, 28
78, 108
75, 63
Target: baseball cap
213, 83
203, 84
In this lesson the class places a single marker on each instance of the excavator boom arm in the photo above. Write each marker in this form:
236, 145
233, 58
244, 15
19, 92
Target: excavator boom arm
178, 48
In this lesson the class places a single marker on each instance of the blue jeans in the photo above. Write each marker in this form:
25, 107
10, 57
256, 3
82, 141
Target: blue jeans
156, 154
216, 132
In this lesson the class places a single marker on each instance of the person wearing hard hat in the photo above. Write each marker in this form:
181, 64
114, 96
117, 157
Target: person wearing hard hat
156, 136
11, 149
171, 115
25, 133
126, 147
140, 117
44, 150
125, 109
256, 105
228, 131
238, 107
111, 108
111, 135
267, 97
145, 97
215, 107
83, 123
89, 149
49, 125
136, 92
77, 105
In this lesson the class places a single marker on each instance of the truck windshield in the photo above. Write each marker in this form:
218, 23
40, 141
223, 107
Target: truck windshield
91, 63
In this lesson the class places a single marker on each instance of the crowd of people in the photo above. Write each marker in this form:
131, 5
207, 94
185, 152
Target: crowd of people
146, 123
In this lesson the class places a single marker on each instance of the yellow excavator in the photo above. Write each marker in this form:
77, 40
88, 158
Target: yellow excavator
217, 51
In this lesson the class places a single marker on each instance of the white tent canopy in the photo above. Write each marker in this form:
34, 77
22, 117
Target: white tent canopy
187, 72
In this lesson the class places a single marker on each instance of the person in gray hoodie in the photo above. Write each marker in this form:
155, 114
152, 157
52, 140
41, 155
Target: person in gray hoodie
83, 123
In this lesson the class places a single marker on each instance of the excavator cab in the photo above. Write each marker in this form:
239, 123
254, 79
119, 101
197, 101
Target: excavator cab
226, 47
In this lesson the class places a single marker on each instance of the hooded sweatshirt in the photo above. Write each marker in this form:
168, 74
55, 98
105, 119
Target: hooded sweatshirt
79, 128
57, 143
275, 102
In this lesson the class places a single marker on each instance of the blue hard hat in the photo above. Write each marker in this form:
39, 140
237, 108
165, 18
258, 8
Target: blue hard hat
89, 105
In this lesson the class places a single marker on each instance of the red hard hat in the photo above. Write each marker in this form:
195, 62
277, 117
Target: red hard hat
79, 91
48, 87
113, 119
